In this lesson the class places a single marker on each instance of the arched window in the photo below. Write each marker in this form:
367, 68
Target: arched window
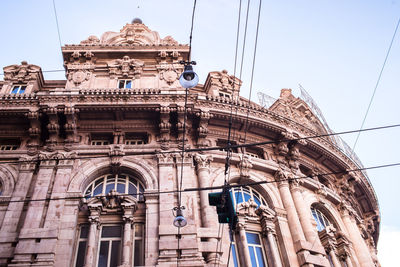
244, 194
112, 223
250, 244
122, 183
321, 220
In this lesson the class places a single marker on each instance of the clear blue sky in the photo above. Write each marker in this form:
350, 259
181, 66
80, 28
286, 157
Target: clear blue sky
335, 49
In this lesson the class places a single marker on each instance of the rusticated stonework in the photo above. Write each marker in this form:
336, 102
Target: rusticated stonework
91, 167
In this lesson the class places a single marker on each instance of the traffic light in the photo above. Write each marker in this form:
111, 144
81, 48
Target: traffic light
225, 207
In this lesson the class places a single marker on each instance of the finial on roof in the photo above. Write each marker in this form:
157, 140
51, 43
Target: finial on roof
137, 20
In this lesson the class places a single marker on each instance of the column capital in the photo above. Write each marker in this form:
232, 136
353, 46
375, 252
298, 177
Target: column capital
202, 161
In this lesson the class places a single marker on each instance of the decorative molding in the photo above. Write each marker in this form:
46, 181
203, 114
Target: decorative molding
21, 73
126, 68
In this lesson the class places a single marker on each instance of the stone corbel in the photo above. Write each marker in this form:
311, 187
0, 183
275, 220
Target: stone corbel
116, 154
34, 132
71, 114
245, 165
180, 125
202, 130
164, 126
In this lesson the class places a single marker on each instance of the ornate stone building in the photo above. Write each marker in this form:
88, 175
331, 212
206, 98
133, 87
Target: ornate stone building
90, 165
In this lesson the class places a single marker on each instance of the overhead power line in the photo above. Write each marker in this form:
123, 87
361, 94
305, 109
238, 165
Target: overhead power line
376, 85
217, 147
194, 189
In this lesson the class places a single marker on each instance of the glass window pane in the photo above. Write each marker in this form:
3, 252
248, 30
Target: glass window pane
257, 200
111, 231
109, 187
121, 84
22, 90
141, 190
138, 230
99, 181
121, 188
252, 257
84, 231
138, 256
15, 90
132, 190
238, 196
128, 84
247, 196
260, 257
98, 190
80, 257
234, 257
253, 239
103, 254
115, 252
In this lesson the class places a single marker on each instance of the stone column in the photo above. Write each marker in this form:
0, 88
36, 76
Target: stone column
127, 244
335, 260
152, 222
91, 244
245, 260
361, 249
203, 176
304, 213
276, 259
286, 196
267, 217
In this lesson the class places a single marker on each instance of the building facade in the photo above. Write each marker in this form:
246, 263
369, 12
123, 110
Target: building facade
90, 167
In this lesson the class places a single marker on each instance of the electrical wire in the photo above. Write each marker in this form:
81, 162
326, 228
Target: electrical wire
187, 190
376, 86
42, 71
58, 29
230, 121
184, 137
142, 153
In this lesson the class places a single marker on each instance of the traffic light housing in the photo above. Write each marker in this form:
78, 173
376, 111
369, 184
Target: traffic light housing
225, 207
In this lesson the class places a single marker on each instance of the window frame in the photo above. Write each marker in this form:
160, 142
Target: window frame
78, 241
102, 142
250, 191
124, 83
19, 88
317, 218
116, 177
254, 246
110, 240
12, 147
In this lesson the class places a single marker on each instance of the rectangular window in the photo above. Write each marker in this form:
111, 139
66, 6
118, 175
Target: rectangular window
8, 147
99, 142
255, 250
81, 250
138, 256
234, 254
110, 246
136, 139
125, 84
134, 142
223, 94
18, 89
223, 144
